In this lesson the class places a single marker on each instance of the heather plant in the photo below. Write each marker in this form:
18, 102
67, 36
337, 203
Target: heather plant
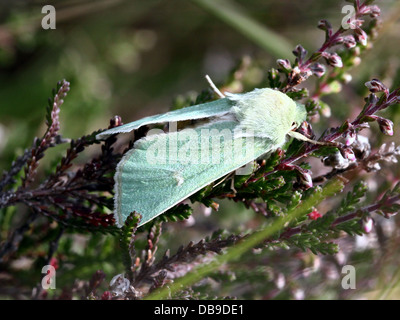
308, 201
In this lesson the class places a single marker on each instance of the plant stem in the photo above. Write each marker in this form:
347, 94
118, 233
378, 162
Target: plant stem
251, 241
269, 40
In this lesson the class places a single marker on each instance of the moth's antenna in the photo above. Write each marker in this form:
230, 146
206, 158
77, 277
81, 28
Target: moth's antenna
213, 86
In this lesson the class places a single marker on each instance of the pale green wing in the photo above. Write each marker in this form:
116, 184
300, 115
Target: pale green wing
151, 178
200, 111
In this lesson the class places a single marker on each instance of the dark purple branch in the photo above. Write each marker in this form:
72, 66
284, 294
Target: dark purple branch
11, 245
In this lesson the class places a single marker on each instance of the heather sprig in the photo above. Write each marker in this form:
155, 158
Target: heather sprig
73, 197
49, 138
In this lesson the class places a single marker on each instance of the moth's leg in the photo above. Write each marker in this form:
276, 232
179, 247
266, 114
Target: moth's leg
229, 175
233, 186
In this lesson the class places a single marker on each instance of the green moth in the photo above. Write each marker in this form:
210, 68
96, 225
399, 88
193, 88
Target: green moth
165, 168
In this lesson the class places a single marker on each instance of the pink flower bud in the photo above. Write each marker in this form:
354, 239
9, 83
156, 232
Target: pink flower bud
333, 59
317, 69
351, 156
115, 122
386, 126
300, 52
306, 179
324, 25
106, 295
348, 154
373, 11
54, 263
314, 215
349, 42
350, 138
306, 129
361, 36
284, 64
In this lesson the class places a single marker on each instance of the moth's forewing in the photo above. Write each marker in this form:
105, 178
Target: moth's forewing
151, 184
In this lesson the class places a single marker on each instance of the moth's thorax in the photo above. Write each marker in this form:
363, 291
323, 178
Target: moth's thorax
265, 112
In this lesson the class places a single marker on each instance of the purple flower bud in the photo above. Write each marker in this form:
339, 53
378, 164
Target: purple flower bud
349, 42
361, 36
115, 122
351, 156
106, 295
300, 52
305, 178
374, 11
376, 86
336, 60
284, 64
304, 174
317, 69
350, 137
324, 25
348, 154
306, 130
333, 59
386, 126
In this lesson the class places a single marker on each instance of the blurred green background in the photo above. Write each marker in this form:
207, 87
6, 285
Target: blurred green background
134, 58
